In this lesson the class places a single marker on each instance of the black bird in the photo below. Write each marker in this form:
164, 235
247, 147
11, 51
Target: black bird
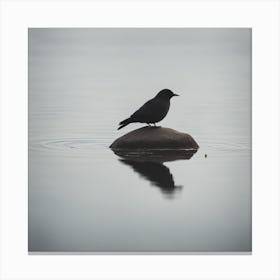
152, 111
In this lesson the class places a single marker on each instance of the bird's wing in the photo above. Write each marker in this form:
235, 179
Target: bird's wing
147, 111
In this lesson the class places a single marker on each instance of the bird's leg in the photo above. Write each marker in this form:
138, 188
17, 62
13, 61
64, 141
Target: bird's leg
157, 126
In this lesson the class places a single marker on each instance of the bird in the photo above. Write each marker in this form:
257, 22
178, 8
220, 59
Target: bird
152, 111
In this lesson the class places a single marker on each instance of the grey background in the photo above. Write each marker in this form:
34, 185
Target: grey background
82, 82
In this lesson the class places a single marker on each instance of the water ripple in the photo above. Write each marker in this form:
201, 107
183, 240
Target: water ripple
69, 144
229, 146
76, 146
225, 148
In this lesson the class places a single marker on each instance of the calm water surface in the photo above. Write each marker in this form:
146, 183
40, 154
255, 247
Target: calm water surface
83, 197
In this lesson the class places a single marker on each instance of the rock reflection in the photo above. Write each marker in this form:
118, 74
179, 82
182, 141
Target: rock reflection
149, 165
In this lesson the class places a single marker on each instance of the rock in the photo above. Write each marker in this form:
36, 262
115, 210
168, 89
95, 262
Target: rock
154, 138
158, 156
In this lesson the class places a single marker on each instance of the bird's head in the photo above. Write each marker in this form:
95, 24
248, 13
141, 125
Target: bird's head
166, 94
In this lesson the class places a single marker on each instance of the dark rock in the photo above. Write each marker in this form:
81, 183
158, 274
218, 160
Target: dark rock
159, 156
154, 138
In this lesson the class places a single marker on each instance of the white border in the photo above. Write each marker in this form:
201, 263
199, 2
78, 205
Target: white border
17, 16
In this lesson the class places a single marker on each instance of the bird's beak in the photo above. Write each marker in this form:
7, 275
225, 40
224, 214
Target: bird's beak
174, 94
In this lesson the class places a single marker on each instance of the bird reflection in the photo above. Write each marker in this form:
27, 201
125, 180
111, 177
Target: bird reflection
158, 174
149, 165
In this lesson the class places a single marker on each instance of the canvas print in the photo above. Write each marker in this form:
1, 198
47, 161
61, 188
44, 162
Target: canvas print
139, 140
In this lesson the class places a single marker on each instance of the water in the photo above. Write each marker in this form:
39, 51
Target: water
85, 198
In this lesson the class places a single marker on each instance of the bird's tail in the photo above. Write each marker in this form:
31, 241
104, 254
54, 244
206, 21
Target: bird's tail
124, 123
